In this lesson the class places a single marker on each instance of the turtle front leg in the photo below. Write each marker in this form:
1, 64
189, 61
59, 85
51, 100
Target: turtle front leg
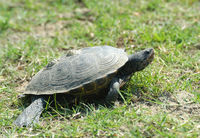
114, 90
32, 113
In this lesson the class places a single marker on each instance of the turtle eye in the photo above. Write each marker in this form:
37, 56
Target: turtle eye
147, 52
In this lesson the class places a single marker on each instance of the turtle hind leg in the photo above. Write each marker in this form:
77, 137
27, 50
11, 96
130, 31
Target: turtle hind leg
32, 113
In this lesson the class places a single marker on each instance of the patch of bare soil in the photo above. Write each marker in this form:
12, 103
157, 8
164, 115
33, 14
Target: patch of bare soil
52, 29
180, 106
49, 29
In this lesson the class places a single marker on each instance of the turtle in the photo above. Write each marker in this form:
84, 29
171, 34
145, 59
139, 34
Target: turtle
88, 71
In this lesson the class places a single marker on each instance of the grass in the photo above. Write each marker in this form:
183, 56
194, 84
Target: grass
163, 100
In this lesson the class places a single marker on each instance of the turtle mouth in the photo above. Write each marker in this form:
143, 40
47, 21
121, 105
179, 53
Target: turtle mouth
151, 56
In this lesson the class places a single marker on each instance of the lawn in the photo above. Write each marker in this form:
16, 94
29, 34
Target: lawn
161, 101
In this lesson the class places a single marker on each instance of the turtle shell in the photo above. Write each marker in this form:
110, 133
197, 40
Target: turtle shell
88, 71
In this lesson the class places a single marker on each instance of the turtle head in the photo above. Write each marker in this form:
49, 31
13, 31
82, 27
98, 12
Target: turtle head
138, 61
